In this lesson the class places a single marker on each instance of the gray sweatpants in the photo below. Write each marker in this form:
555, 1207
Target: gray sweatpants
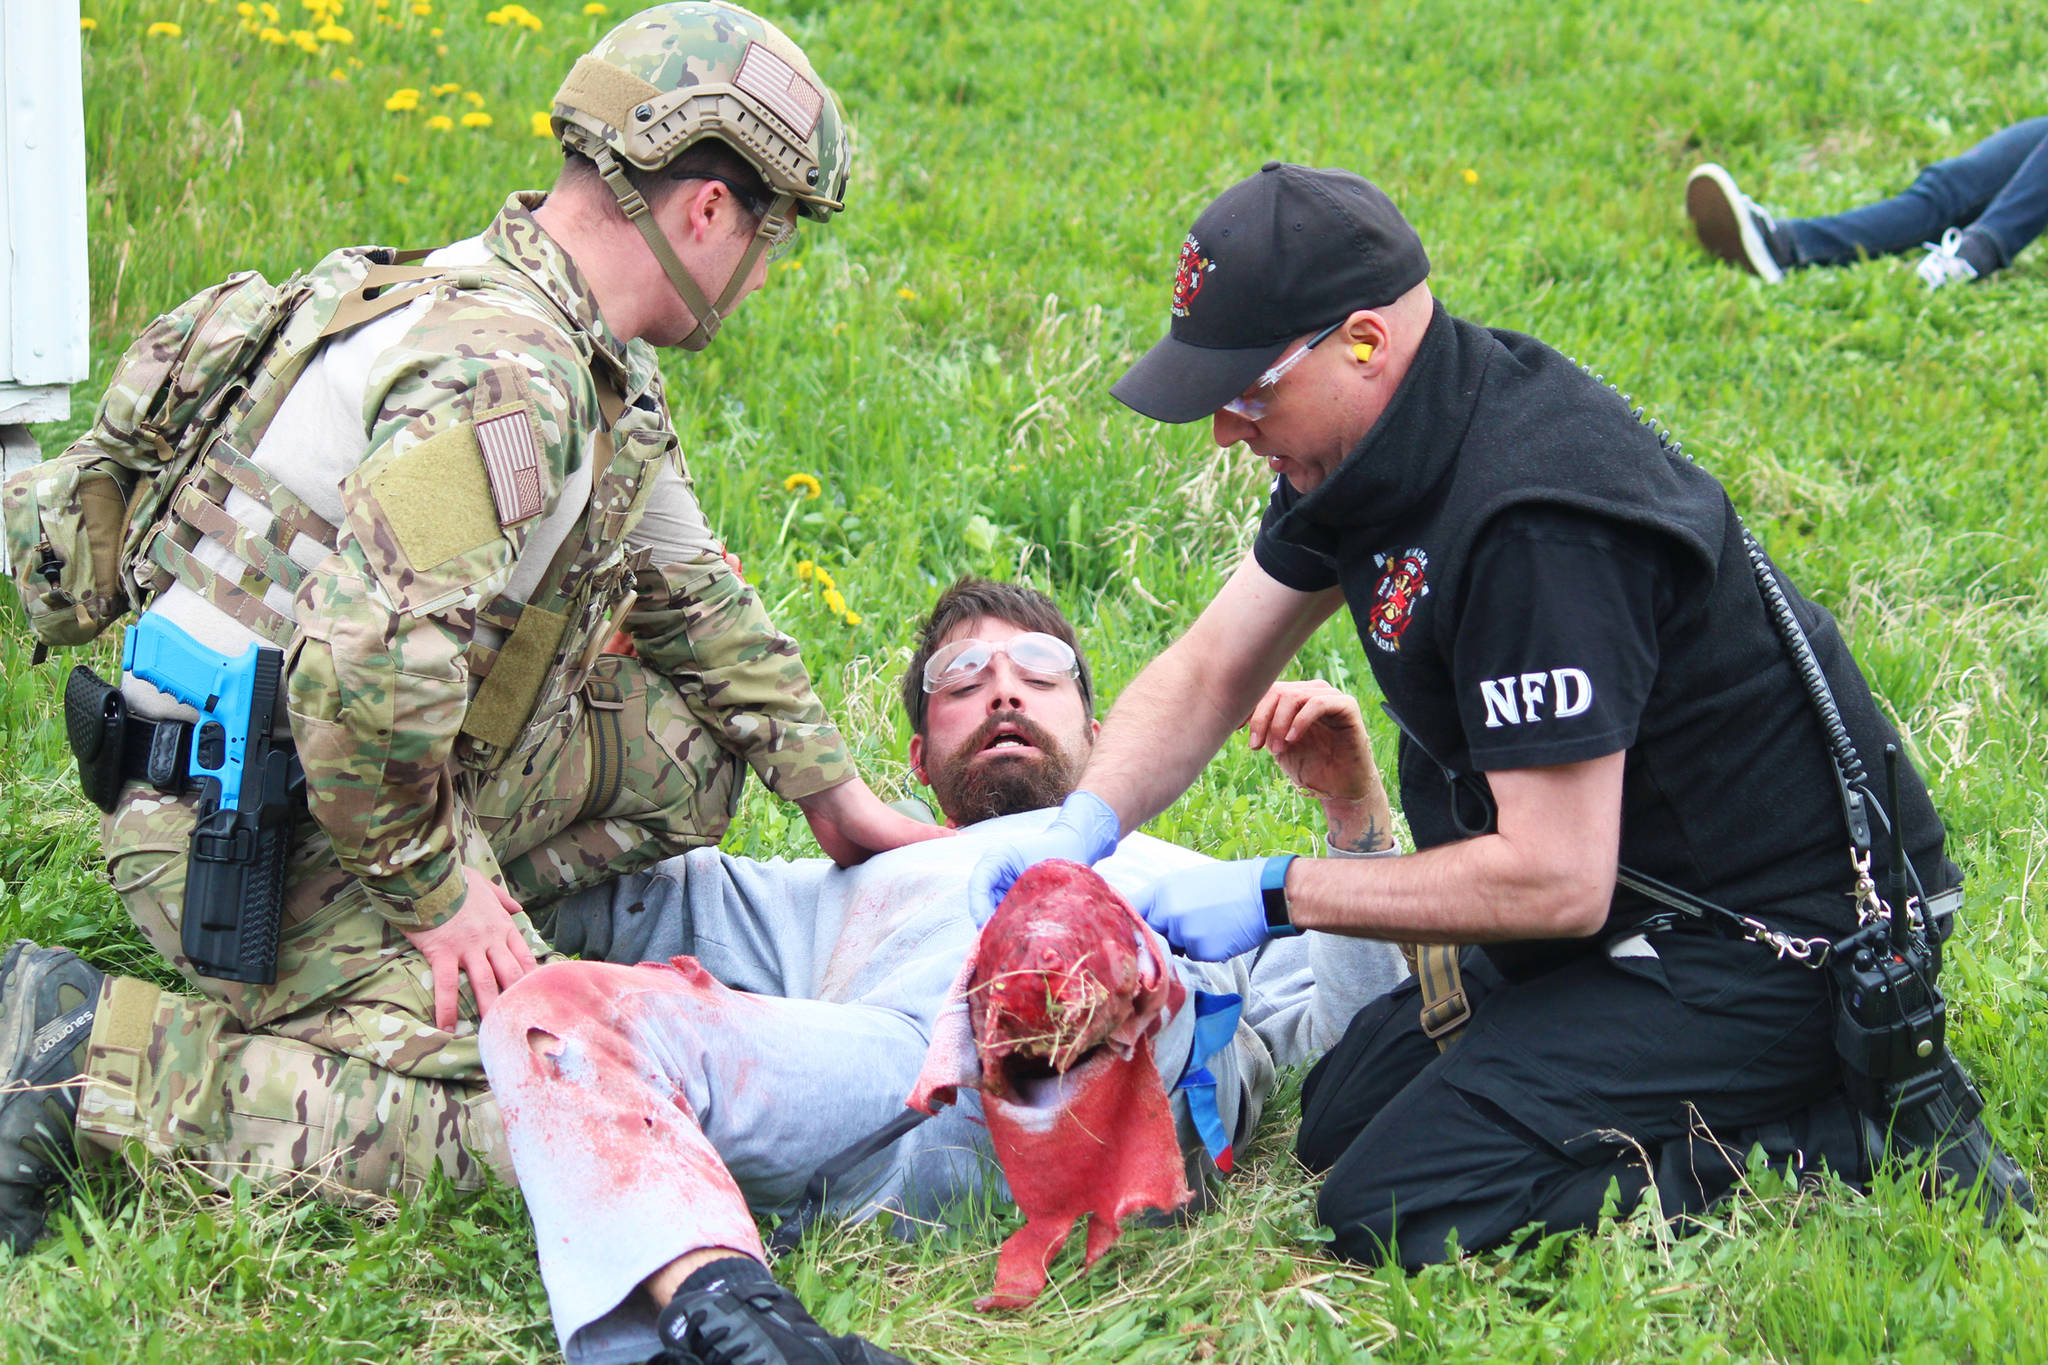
805, 1030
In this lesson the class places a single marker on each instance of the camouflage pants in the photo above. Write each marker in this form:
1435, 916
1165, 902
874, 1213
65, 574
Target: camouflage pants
334, 1078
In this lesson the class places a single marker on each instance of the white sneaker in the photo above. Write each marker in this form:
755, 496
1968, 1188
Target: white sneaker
1942, 265
1730, 224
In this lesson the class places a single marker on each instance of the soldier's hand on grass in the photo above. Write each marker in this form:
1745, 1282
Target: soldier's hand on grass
852, 825
481, 942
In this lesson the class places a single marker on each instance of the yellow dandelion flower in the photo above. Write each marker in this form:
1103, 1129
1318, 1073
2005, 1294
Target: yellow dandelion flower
793, 263
804, 570
305, 41
594, 8
434, 32
906, 294
88, 24
337, 75
852, 618
422, 8
272, 35
268, 11
497, 16
334, 33
808, 482
1471, 176
246, 10
400, 178
541, 122
163, 29
835, 601
825, 581
441, 49
440, 123
476, 118
474, 97
445, 88
383, 4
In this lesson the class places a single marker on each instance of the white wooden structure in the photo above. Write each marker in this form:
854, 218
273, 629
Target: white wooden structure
44, 287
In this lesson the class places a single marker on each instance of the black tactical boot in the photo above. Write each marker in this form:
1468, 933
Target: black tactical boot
47, 996
1951, 1126
732, 1312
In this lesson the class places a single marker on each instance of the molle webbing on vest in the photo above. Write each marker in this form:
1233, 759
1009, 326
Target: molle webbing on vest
241, 416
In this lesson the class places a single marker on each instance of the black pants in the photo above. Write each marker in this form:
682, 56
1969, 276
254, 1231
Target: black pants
1609, 1069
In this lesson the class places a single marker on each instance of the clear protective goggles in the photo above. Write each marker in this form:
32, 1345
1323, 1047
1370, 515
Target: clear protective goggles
1035, 654
1254, 409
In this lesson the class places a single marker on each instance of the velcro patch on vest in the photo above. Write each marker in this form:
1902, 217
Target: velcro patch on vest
436, 499
511, 454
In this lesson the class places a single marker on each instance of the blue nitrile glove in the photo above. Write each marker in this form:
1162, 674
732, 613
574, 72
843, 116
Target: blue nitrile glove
1210, 912
1085, 831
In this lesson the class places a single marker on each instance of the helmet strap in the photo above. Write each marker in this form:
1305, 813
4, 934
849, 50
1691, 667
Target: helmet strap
772, 224
640, 216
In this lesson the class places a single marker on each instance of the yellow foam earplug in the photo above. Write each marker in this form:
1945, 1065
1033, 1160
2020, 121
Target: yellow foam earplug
1363, 350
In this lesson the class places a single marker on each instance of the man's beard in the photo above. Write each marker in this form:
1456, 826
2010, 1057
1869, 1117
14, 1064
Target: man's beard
970, 792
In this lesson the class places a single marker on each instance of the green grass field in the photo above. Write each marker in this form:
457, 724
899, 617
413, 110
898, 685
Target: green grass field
939, 360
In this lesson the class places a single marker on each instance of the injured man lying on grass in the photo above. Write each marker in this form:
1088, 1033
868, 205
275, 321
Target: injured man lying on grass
654, 1111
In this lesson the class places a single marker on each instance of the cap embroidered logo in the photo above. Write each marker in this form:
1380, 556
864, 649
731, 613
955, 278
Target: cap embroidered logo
1188, 275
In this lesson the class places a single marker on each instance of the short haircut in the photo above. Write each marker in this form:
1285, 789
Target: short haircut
970, 598
706, 159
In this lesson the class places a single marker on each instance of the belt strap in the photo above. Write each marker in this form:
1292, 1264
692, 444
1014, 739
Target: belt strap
1445, 1008
157, 752
607, 746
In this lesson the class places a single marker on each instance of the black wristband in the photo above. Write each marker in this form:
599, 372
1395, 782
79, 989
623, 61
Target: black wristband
1273, 891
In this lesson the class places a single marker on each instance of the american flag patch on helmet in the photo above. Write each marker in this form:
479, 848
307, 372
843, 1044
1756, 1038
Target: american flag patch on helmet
511, 463
780, 89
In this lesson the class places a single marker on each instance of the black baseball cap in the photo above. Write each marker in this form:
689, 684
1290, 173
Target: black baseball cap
1278, 255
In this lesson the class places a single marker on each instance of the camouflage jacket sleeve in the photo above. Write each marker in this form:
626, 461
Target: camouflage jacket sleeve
378, 676
703, 627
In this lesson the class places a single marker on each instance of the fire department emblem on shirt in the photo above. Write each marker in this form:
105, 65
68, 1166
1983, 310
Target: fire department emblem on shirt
1403, 583
1194, 267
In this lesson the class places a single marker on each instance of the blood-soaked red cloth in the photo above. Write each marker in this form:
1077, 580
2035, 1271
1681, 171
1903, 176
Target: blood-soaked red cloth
1052, 1019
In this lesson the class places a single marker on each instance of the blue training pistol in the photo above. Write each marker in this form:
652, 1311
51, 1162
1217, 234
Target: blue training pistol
251, 788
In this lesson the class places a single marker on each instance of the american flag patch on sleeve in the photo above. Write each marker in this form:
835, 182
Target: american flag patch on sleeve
512, 464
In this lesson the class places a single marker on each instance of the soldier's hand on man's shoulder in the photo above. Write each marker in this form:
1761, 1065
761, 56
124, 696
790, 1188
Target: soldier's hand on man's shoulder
481, 941
852, 824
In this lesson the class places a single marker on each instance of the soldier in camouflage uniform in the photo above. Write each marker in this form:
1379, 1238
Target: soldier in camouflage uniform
441, 523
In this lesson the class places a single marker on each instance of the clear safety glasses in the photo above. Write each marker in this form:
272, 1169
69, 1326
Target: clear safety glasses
1035, 654
1254, 409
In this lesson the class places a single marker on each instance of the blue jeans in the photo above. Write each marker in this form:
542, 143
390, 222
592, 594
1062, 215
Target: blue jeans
1999, 189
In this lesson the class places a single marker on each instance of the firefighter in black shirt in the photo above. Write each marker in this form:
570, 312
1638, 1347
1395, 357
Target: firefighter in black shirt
1563, 618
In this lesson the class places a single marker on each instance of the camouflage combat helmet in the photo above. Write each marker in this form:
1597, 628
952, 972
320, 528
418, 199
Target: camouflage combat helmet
678, 73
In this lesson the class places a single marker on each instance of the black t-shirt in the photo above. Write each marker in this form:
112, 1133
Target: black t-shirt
1539, 579
1574, 637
